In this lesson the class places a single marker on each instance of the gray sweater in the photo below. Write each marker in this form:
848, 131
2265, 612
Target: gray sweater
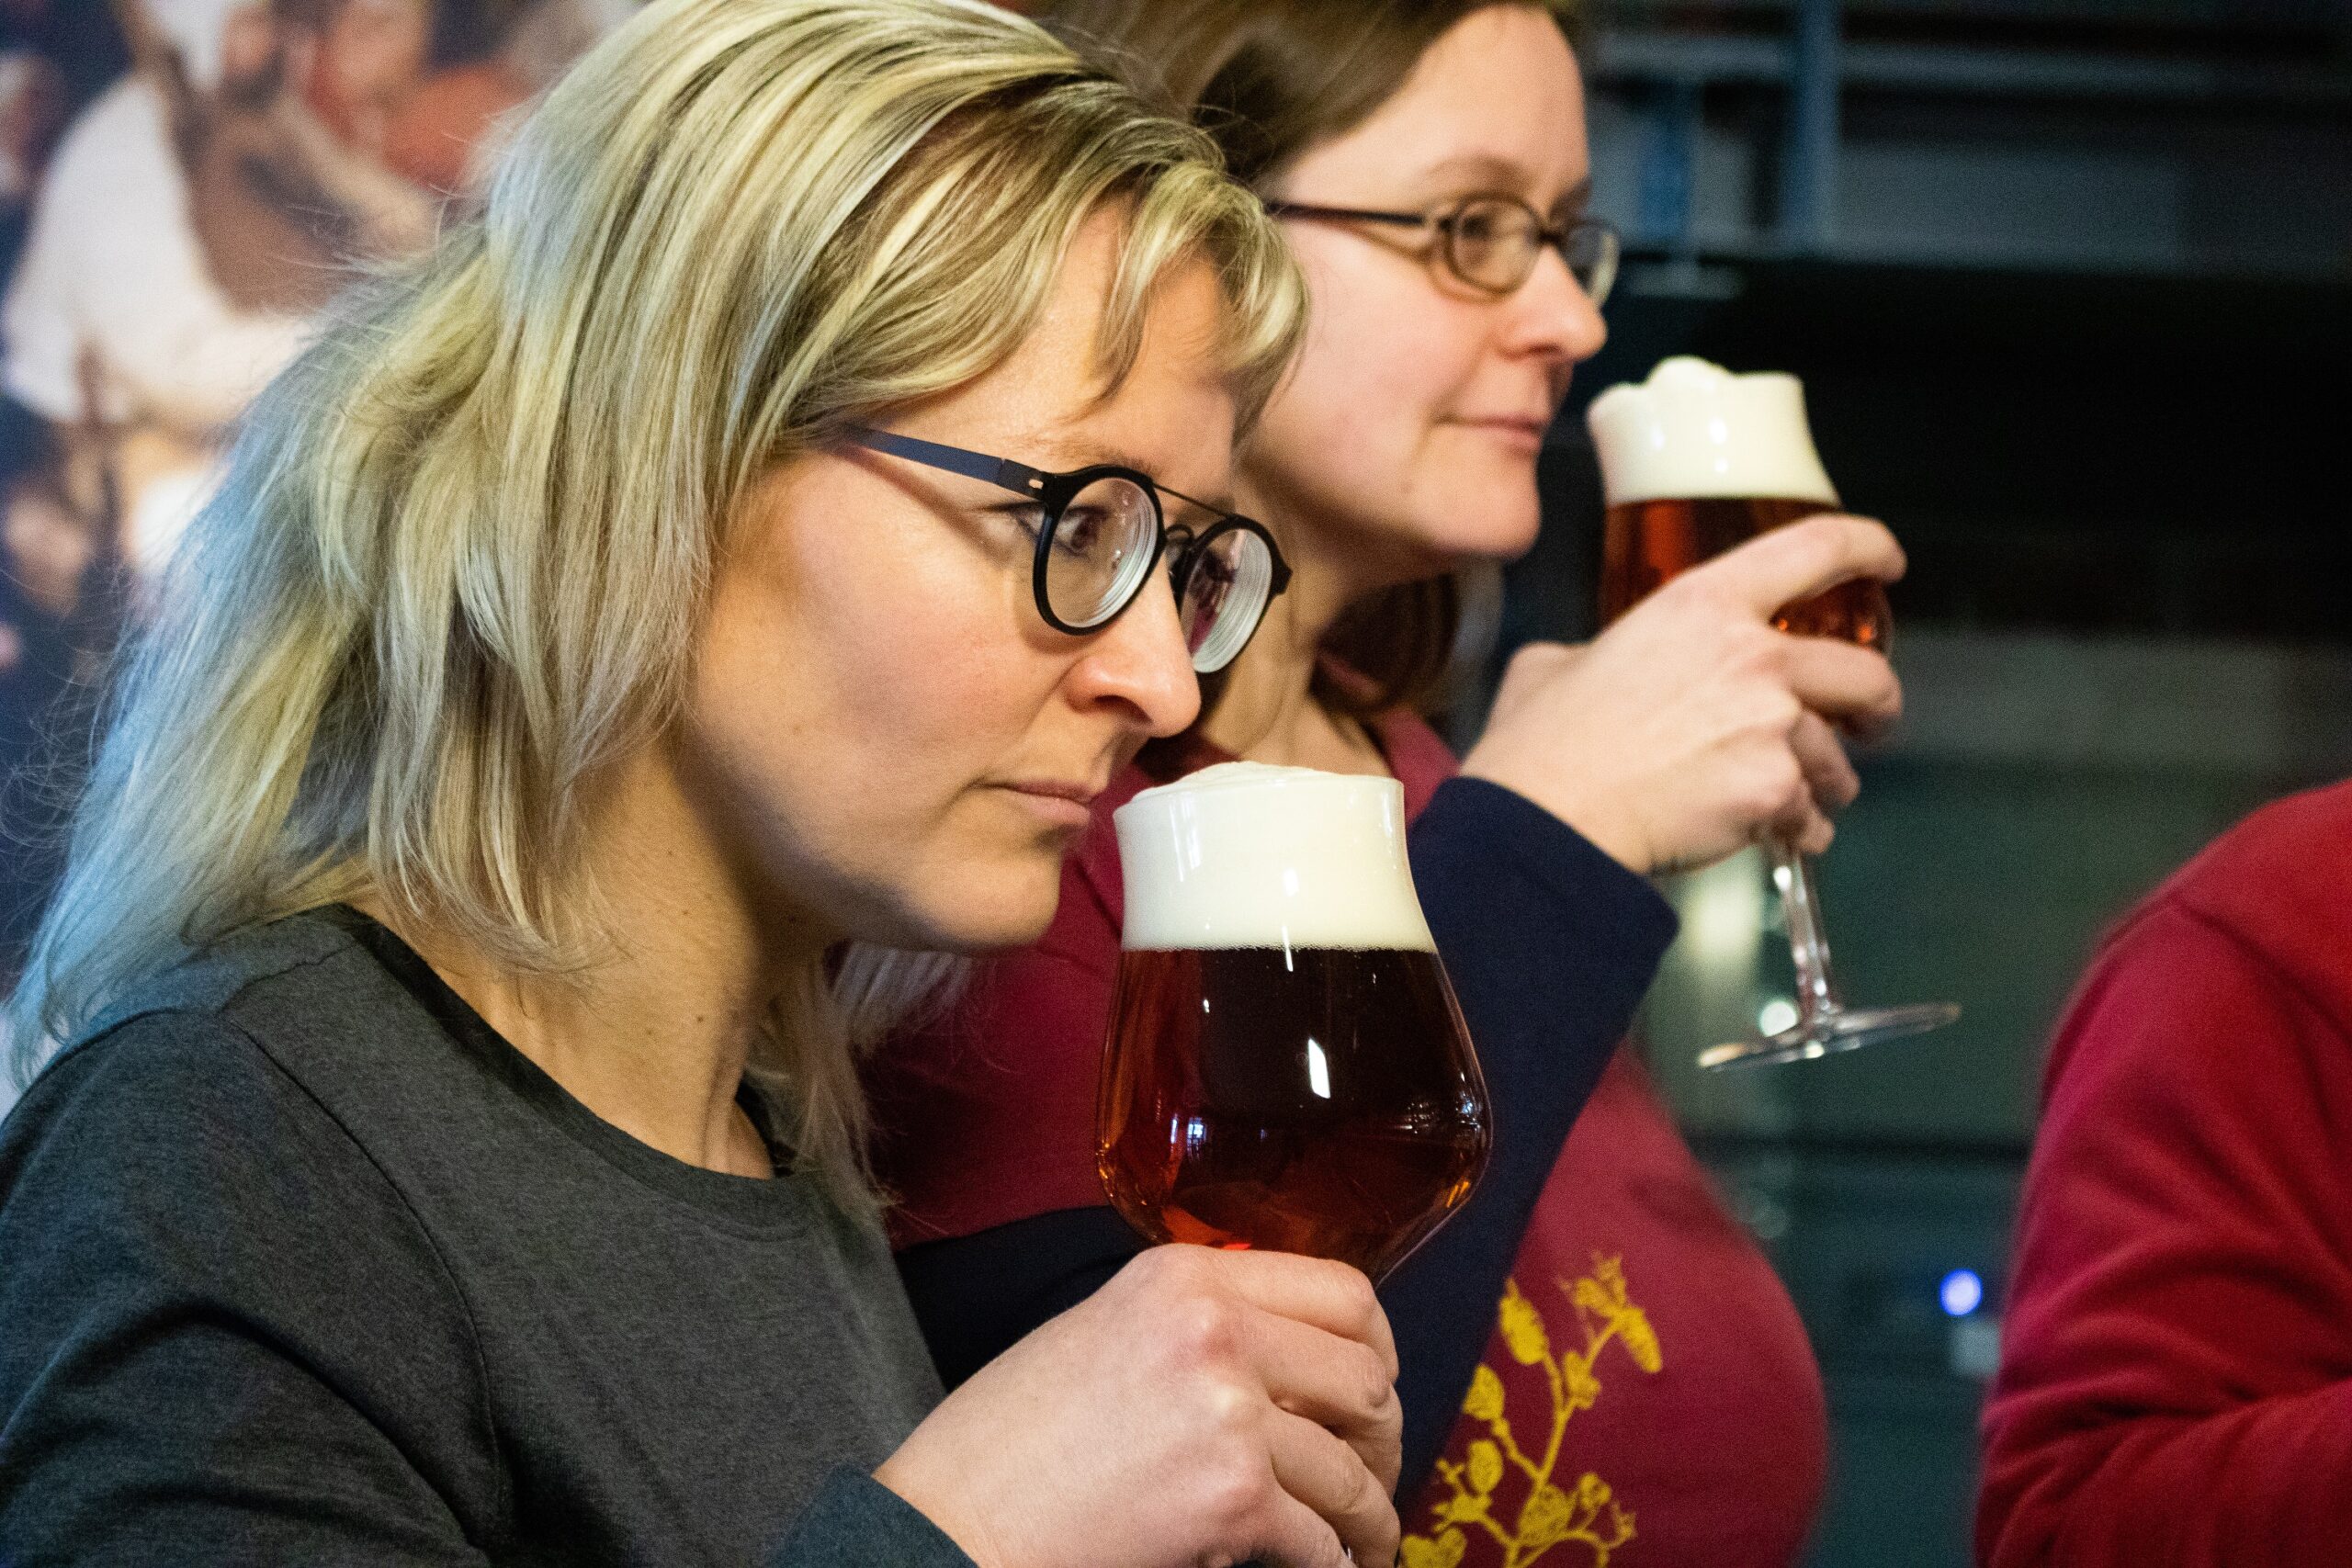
301, 1263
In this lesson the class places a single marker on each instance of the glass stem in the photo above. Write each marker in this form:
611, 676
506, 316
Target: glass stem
1816, 984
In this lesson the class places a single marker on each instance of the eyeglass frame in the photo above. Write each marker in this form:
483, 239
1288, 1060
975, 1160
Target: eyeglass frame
1053, 492
1439, 223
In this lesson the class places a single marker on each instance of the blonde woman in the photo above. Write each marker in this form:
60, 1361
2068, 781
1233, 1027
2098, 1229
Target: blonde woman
453, 1154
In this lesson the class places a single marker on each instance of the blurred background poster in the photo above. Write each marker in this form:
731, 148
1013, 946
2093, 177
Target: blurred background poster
2070, 285
185, 184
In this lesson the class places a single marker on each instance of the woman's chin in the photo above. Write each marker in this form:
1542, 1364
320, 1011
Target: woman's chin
1471, 537
1009, 910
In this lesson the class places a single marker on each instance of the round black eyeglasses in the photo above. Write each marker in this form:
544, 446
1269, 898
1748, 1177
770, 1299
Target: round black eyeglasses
1491, 242
1100, 529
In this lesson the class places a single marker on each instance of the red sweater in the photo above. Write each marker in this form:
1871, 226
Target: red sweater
1690, 1426
2177, 1379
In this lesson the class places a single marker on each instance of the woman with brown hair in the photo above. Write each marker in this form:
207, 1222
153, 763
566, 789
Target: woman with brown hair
1430, 164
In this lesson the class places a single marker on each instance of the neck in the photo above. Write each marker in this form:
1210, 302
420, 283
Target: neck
1267, 712
654, 1032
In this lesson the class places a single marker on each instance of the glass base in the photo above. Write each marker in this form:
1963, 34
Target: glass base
1824, 1033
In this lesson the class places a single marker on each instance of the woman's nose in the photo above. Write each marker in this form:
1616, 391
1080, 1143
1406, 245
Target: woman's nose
1141, 663
1552, 315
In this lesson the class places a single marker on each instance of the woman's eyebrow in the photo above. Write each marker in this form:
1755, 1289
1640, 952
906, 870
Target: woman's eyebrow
1067, 454
1470, 173
1485, 171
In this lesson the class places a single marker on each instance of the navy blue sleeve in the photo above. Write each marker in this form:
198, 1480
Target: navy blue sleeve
1551, 946
975, 1295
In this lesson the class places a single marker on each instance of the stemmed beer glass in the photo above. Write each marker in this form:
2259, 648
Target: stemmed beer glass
1287, 1067
1694, 461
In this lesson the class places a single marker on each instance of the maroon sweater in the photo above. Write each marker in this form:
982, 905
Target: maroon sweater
2176, 1381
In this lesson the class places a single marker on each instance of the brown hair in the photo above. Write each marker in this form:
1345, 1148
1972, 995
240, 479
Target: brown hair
1270, 79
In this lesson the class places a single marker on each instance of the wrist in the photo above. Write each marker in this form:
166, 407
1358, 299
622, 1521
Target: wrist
1614, 832
948, 1519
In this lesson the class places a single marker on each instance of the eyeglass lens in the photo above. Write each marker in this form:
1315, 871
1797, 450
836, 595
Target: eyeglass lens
1493, 243
1225, 593
1102, 546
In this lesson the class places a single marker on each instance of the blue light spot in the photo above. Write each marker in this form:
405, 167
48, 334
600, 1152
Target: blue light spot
1962, 1292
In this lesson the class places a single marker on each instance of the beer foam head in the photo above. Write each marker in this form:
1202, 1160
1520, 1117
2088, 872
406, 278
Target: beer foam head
1695, 429
1248, 855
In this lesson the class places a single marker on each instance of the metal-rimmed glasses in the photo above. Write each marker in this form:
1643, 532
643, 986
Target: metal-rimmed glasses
1491, 242
1100, 530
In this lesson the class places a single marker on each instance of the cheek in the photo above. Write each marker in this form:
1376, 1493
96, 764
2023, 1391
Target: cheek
1358, 436
846, 705
1385, 354
885, 683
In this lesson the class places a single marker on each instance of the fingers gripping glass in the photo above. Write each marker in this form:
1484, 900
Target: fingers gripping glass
1100, 529
1491, 242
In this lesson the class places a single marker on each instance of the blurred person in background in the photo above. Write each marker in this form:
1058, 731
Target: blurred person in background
372, 56
2176, 1381
447, 133
1648, 1380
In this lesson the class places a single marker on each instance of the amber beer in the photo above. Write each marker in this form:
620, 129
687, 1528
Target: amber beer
1286, 1067
1696, 460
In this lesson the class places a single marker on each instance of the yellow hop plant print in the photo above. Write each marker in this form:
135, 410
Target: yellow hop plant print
1486, 1401
1523, 1329
1443, 1552
1602, 1295
1486, 1467
1551, 1515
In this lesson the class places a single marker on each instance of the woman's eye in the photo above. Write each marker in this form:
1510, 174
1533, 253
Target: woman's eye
1082, 531
1029, 516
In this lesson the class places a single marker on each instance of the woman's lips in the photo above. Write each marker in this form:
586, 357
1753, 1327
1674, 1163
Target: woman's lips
1526, 433
1062, 805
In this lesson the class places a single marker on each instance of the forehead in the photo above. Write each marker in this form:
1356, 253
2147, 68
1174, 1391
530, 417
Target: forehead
1495, 103
1051, 402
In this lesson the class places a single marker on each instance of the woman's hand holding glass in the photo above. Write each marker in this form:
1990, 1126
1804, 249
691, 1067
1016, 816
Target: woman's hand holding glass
1203, 1406
1689, 727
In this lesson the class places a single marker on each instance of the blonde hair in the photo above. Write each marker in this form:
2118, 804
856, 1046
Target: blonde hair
462, 550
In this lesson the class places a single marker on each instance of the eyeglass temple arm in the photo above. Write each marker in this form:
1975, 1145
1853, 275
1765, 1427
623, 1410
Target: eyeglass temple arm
1018, 478
1346, 214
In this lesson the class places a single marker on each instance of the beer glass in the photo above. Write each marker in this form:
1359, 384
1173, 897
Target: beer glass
1694, 461
1286, 1066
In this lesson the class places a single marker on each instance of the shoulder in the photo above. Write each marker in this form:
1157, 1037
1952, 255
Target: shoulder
170, 1112
205, 1073
216, 1101
2285, 869
194, 1244
169, 1159
2233, 978
2270, 901
301, 990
